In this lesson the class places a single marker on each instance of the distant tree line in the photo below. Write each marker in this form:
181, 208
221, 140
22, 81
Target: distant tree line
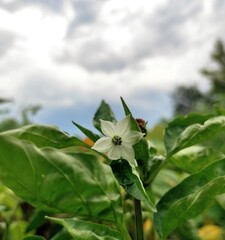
191, 99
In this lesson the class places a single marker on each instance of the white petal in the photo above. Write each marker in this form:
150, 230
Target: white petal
127, 152
103, 144
123, 126
133, 162
132, 137
108, 128
114, 153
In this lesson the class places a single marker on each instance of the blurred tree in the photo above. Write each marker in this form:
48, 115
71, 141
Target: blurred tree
5, 100
187, 99
190, 98
8, 122
217, 75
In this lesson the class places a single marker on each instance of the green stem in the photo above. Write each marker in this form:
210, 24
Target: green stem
6, 231
138, 220
123, 229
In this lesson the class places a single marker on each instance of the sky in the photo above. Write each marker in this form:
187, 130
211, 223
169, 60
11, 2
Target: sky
68, 55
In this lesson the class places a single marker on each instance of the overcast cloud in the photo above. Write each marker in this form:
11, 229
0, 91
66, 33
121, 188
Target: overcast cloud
69, 55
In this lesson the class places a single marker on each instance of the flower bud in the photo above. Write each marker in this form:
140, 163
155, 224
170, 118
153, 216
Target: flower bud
142, 124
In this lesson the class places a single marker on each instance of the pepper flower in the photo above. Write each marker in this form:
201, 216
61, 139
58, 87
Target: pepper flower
118, 140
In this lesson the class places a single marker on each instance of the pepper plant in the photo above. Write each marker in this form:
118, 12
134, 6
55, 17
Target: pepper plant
84, 188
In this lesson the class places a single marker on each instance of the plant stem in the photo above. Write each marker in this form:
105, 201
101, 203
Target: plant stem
138, 220
124, 231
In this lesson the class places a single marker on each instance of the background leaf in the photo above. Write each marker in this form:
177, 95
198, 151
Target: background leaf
104, 112
197, 133
57, 182
94, 137
178, 125
189, 198
85, 230
195, 158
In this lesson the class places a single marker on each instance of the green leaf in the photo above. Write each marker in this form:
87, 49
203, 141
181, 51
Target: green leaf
129, 179
104, 112
45, 136
220, 110
189, 198
37, 219
94, 137
85, 230
164, 181
197, 133
17, 229
188, 231
62, 235
178, 125
195, 158
57, 182
141, 150
152, 169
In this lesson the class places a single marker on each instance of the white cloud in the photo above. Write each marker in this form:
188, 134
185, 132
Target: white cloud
65, 53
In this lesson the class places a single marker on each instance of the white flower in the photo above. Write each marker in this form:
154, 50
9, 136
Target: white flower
118, 140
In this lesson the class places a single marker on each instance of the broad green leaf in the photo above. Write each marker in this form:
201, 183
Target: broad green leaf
94, 137
178, 125
45, 136
57, 182
195, 158
129, 179
85, 230
189, 198
197, 133
104, 112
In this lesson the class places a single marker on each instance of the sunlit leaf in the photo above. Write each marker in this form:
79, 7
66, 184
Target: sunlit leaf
78, 184
45, 136
178, 125
85, 230
195, 158
189, 198
197, 133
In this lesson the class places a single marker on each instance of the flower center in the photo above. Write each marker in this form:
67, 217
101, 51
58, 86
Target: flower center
117, 140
